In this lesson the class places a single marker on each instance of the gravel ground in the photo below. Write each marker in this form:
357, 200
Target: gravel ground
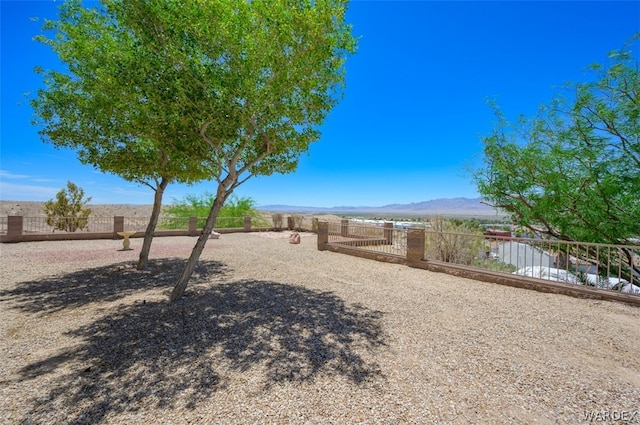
270, 332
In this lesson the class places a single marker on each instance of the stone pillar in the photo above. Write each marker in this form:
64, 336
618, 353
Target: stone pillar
323, 235
415, 245
344, 228
388, 233
247, 224
290, 223
15, 224
118, 225
193, 226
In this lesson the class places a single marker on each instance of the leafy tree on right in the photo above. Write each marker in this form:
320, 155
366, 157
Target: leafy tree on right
572, 172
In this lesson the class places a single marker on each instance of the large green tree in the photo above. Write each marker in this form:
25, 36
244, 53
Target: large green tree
116, 102
573, 171
231, 88
279, 68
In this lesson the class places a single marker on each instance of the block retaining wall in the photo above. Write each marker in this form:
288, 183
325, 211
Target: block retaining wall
415, 258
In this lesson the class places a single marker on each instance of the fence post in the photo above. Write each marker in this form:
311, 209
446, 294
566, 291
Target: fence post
247, 224
344, 227
415, 245
323, 235
193, 226
118, 225
388, 232
15, 225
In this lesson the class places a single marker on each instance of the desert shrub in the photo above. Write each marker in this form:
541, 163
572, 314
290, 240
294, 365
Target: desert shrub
277, 219
66, 212
453, 241
297, 220
491, 262
231, 215
583, 278
495, 265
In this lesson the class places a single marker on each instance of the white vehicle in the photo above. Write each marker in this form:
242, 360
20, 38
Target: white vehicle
560, 275
548, 273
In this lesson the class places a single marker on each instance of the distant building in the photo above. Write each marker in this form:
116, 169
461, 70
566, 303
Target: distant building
500, 233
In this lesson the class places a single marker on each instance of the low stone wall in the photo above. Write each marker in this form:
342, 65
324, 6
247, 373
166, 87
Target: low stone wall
415, 258
577, 291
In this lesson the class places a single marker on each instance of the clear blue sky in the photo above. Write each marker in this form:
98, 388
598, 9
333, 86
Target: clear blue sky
413, 112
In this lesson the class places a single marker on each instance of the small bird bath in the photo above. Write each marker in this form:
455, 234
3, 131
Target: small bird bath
126, 243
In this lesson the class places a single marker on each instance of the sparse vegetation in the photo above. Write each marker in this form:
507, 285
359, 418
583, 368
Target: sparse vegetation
495, 265
231, 215
454, 241
297, 220
277, 219
66, 212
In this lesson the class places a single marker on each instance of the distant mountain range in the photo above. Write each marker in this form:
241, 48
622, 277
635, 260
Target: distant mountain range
457, 206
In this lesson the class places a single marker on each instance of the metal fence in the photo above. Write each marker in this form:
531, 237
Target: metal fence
612, 267
96, 224
369, 237
604, 266
105, 224
139, 224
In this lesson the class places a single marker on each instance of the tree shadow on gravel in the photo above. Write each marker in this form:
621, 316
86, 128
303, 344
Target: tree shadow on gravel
160, 355
103, 284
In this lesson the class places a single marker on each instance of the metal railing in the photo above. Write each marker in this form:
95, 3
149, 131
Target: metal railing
604, 266
105, 224
99, 224
369, 237
96, 224
139, 224
177, 223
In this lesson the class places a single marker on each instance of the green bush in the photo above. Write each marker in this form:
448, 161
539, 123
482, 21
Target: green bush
231, 215
66, 212
495, 265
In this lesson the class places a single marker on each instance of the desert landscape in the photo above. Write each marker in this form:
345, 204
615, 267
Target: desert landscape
34, 209
455, 207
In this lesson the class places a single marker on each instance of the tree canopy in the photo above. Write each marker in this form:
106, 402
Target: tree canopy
109, 102
168, 91
573, 171
279, 69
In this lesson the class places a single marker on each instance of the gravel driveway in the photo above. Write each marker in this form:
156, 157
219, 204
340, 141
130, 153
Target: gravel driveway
270, 332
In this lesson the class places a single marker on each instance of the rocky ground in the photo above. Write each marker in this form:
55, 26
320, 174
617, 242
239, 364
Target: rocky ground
271, 332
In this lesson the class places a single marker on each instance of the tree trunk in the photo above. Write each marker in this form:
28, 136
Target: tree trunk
151, 227
180, 287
